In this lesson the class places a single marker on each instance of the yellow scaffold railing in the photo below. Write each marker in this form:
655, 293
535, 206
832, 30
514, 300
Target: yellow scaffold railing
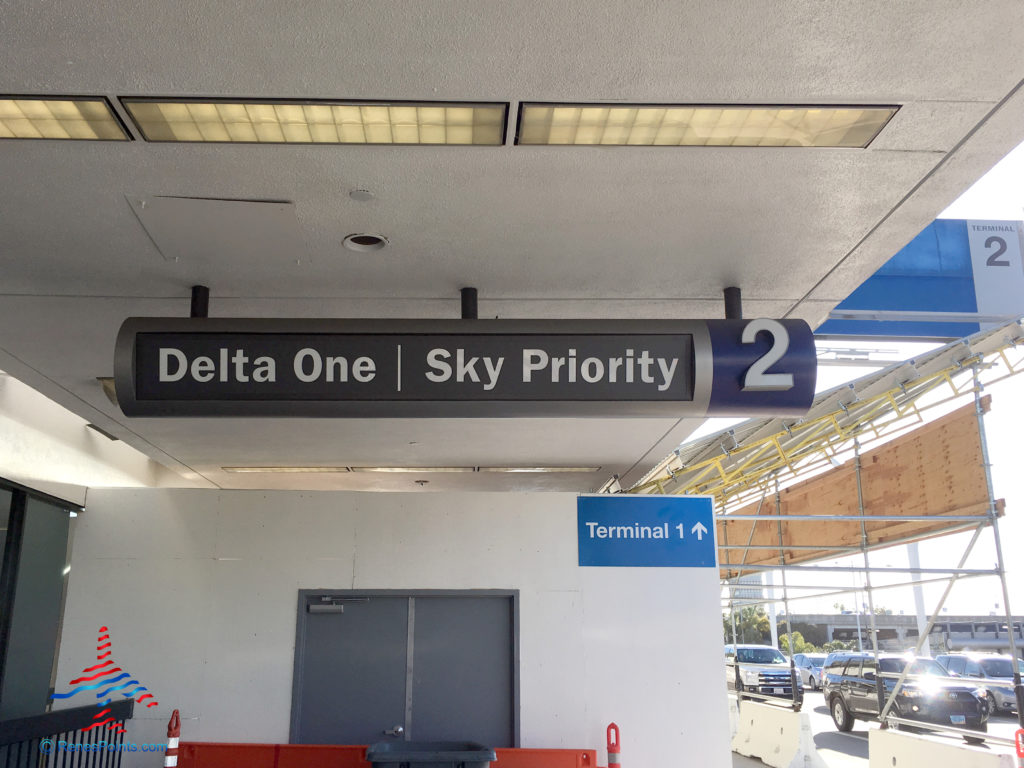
736, 474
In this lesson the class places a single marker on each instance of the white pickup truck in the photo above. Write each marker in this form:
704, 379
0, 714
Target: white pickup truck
762, 669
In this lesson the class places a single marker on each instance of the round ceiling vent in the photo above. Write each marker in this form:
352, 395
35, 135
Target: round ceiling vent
364, 242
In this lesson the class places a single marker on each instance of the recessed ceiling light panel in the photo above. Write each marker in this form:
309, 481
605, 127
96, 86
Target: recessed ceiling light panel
317, 122
402, 470
414, 469
540, 469
287, 470
40, 117
700, 126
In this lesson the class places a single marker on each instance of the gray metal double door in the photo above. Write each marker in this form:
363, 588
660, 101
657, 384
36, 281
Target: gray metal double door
371, 667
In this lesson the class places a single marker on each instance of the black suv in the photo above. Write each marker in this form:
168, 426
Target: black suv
927, 694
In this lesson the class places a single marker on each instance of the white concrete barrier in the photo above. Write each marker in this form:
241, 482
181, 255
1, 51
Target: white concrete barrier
898, 749
734, 716
779, 737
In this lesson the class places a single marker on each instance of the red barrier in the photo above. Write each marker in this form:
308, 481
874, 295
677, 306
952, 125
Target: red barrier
221, 755
227, 755
545, 758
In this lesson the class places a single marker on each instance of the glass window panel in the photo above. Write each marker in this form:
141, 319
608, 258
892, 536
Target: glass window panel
5, 509
36, 613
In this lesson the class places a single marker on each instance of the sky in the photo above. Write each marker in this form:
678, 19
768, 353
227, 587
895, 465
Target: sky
997, 195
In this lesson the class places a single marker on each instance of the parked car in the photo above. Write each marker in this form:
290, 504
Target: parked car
809, 666
762, 669
927, 693
993, 671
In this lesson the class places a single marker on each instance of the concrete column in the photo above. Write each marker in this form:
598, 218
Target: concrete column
914, 556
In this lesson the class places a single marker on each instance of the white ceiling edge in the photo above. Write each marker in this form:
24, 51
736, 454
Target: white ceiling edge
976, 154
75, 494
47, 447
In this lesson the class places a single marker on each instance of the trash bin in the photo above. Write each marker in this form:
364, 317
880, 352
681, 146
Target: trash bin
429, 754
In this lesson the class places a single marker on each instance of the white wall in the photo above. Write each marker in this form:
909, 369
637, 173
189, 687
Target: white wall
199, 589
45, 446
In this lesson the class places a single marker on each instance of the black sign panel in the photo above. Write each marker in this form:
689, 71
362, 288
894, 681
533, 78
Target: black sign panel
188, 367
521, 367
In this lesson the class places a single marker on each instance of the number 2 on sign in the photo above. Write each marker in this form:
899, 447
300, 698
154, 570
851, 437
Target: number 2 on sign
756, 378
994, 260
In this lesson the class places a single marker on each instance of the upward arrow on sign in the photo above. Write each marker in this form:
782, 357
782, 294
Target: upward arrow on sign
700, 530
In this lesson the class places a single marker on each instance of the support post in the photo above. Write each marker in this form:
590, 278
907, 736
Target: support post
733, 304
1000, 566
469, 310
914, 558
785, 601
200, 301
856, 613
737, 680
873, 622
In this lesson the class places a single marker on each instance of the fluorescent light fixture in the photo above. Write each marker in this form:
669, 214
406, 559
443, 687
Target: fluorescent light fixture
539, 469
285, 469
317, 122
43, 117
414, 469
406, 470
702, 126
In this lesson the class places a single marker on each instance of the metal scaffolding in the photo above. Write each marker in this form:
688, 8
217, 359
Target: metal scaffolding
741, 466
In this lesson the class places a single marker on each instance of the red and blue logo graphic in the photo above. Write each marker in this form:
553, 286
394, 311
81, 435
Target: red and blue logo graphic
107, 676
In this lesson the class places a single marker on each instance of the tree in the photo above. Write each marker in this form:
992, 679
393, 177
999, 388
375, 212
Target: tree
752, 626
838, 645
799, 644
814, 634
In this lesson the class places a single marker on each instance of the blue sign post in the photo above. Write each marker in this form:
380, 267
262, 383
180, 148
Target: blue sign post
622, 530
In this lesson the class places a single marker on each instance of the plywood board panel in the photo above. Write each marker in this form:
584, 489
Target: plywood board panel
936, 470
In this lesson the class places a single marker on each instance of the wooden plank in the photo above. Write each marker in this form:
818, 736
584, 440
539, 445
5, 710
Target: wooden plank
936, 470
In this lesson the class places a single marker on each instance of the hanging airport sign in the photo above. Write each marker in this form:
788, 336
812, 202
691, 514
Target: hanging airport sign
463, 368
955, 278
626, 530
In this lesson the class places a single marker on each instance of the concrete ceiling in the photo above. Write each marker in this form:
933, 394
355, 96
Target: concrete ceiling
542, 232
